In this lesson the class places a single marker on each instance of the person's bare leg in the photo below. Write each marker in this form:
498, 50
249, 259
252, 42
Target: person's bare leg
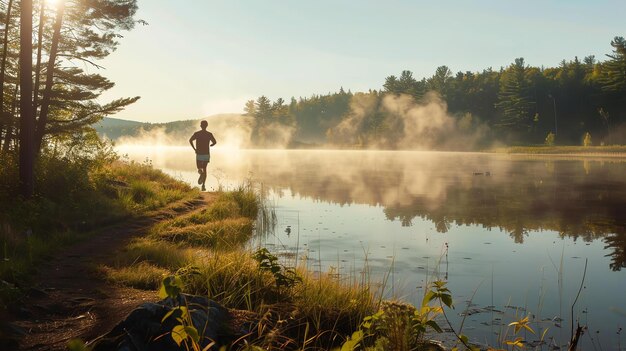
203, 176
201, 171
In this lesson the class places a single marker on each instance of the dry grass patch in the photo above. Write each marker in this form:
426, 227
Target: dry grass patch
221, 234
233, 278
159, 253
142, 275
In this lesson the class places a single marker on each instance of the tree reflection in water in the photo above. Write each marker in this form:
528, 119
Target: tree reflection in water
581, 198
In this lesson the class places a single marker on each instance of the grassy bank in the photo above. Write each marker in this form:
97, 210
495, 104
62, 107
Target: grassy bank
613, 150
293, 308
73, 200
281, 307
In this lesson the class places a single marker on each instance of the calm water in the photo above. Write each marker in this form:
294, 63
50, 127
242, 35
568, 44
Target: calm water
511, 234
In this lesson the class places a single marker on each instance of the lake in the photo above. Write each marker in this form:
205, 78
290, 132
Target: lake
511, 234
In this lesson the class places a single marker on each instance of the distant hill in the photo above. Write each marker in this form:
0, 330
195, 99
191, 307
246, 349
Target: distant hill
115, 128
177, 132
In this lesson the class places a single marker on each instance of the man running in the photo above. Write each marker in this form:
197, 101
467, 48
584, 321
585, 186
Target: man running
203, 155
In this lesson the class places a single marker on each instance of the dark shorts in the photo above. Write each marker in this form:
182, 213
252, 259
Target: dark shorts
205, 158
202, 160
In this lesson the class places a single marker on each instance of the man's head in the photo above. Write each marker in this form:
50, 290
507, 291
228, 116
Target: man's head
204, 124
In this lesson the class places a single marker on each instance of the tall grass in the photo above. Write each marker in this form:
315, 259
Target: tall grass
208, 249
225, 233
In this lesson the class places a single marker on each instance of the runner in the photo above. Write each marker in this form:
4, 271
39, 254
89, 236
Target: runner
204, 140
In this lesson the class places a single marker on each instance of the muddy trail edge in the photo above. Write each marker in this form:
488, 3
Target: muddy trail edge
71, 300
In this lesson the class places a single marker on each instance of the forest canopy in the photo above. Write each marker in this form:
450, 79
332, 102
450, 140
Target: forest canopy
517, 105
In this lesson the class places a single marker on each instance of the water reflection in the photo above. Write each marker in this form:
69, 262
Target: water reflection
515, 225
582, 199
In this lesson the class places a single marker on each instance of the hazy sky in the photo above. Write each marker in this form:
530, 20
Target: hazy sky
199, 57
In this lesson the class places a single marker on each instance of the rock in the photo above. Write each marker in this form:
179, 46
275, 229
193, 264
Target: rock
143, 330
37, 293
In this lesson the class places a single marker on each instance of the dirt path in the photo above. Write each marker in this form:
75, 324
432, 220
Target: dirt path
72, 301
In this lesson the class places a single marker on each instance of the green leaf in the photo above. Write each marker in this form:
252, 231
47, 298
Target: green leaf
447, 300
179, 334
439, 284
435, 326
184, 312
428, 297
419, 329
353, 341
192, 332
167, 315
464, 338
171, 286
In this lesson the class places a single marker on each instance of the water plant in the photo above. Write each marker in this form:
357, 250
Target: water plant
587, 139
284, 276
400, 326
550, 139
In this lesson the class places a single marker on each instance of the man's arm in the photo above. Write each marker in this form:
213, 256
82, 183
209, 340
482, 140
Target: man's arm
193, 137
213, 141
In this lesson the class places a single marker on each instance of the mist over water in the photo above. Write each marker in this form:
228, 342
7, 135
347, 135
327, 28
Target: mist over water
233, 132
497, 224
409, 125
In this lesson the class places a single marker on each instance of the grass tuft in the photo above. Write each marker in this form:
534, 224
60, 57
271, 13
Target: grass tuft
226, 233
159, 253
140, 276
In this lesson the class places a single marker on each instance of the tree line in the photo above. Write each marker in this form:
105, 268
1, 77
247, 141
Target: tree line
580, 101
49, 80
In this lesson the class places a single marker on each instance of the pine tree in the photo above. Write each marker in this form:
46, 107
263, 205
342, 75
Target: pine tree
614, 70
27, 118
263, 109
515, 100
249, 108
7, 119
392, 85
84, 31
440, 81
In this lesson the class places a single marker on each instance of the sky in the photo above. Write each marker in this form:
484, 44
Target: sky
197, 58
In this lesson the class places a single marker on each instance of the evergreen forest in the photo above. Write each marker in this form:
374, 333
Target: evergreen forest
580, 102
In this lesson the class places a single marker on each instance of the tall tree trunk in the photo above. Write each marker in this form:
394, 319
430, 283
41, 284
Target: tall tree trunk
27, 120
8, 136
42, 19
3, 65
45, 102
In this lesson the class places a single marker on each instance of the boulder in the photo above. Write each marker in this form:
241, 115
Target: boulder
143, 329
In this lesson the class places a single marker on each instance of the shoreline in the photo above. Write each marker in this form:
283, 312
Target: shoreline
613, 152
